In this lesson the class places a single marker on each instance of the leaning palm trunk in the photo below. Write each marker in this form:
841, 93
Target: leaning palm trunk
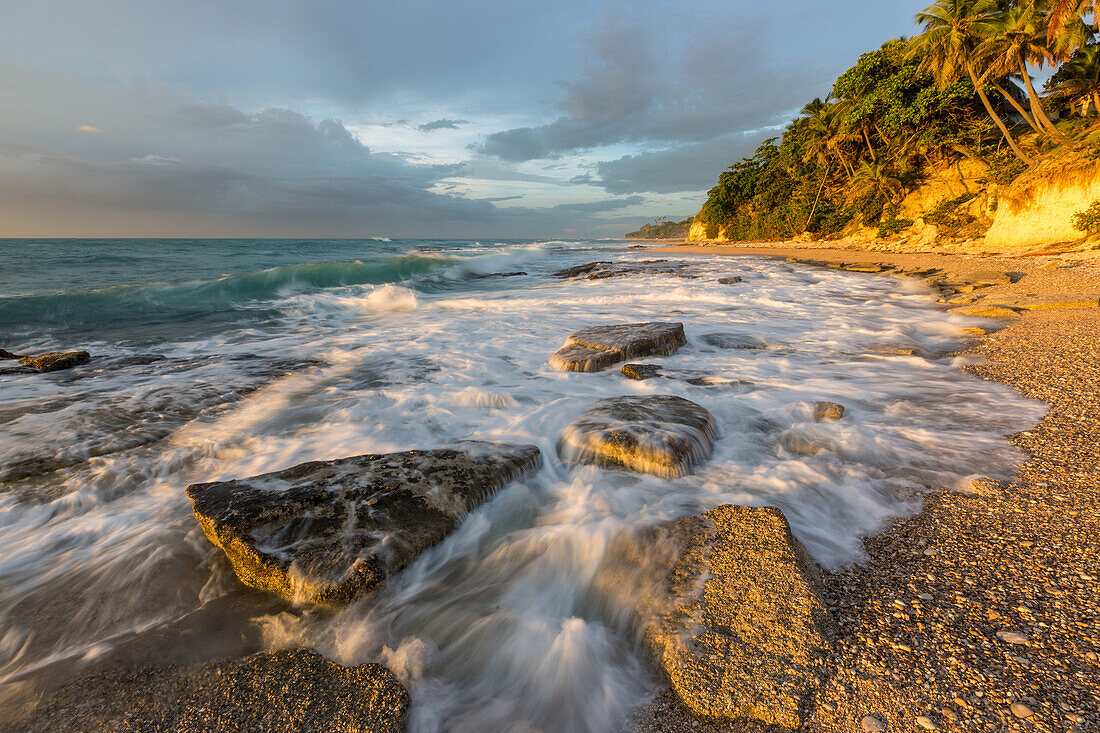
1037, 105
996, 118
816, 199
1012, 100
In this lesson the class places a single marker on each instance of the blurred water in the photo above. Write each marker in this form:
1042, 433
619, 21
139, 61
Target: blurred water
281, 352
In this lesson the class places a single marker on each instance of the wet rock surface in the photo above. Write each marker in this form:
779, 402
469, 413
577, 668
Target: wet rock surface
739, 626
328, 532
641, 372
733, 341
287, 691
55, 360
603, 269
729, 280
659, 434
828, 411
596, 348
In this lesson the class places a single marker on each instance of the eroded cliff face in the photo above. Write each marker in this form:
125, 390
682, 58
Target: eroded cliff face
1038, 207
698, 232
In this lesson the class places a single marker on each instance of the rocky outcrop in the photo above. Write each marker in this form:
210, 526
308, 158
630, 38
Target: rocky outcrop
329, 532
287, 691
738, 625
642, 372
659, 434
732, 280
54, 360
602, 269
599, 347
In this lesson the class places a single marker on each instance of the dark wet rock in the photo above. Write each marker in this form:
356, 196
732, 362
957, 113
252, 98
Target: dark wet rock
602, 269
287, 691
328, 532
733, 341
55, 360
641, 371
733, 613
123, 362
595, 348
828, 411
729, 280
4, 354
581, 269
659, 434
897, 350
517, 273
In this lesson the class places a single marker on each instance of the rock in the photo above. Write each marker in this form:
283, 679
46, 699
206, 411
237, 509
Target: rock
517, 273
659, 434
55, 360
1020, 710
1055, 302
8, 355
733, 341
828, 411
581, 269
729, 280
328, 532
871, 724
598, 347
897, 350
983, 311
980, 279
1012, 637
926, 723
285, 691
739, 628
641, 371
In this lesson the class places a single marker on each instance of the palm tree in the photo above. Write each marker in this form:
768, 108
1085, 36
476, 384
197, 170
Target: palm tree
880, 178
948, 47
1020, 37
1066, 13
823, 124
1079, 79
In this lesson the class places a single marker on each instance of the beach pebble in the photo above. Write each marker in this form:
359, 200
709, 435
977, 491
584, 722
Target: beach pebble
1012, 637
926, 723
1020, 710
871, 724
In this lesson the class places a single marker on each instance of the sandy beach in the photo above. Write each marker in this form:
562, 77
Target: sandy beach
979, 613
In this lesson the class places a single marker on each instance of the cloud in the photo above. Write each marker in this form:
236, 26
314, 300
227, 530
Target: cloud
443, 124
697, 84
88, 129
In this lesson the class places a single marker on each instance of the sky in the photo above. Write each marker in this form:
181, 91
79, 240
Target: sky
421, 118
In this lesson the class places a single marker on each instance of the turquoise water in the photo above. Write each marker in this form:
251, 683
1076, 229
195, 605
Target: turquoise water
220, 359
141, 291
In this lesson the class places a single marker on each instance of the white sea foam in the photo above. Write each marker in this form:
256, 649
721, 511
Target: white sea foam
496, 626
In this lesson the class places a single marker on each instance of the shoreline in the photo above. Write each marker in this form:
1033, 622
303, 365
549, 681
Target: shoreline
978, 612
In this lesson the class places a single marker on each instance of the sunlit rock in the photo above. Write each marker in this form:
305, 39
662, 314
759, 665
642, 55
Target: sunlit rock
737, 624
828, 411
599, 347
329, 532
55, 360
276, 692
659, 434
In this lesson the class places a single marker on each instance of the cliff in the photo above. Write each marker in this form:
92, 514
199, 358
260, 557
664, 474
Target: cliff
1038, 207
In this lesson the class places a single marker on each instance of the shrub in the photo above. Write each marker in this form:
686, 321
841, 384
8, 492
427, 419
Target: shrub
1088, 221
891, 226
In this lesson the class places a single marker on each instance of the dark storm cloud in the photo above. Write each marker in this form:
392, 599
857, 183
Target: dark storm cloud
442, 125
695, 88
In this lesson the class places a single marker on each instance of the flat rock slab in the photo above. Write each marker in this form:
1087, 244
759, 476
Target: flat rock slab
287, 691
329, 532
659, 434
984, 311
602, 269
595, 348
729, 280
739, 627
733, 341
1055, 302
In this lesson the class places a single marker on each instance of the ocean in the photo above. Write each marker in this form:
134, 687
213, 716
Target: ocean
220, 359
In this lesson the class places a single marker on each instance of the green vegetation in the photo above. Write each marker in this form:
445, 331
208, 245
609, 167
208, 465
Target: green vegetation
1088, 221
959, 90
662, 228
